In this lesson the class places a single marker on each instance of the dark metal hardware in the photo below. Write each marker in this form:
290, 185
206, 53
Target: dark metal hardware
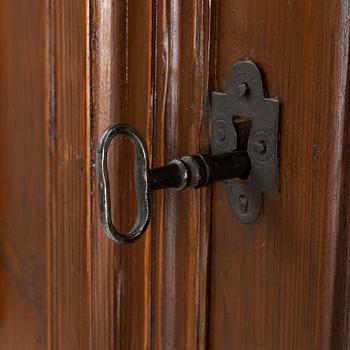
243, 154
141, 184
200, 170
245, 100
192, 171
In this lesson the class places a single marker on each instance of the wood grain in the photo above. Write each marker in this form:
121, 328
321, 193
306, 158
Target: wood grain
69, 147
24, 111
198, 279
142, 53
45, 177
182, 219
272, 282
122, 86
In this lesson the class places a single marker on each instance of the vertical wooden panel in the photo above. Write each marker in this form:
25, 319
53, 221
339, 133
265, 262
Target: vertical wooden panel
24, 238
181, 220
70, 174
143, 52
45, 283
340, 303
122, 92
272, 281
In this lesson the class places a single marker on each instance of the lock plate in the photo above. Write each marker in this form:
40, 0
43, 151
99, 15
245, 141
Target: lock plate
245, 100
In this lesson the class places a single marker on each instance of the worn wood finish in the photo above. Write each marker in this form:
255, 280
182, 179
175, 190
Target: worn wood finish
24, 114
272, 282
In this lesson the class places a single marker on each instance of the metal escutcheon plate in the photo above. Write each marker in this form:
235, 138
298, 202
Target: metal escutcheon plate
245, 97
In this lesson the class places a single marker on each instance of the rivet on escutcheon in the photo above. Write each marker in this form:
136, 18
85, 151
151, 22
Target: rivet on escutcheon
221, 134
243, 203
242, 88
260, 147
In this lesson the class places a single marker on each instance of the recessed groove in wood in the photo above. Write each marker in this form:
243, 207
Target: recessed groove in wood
122, 78
181, 223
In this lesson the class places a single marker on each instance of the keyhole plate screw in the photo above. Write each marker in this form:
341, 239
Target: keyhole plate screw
242, 88
243, 203
221, 134
260, 147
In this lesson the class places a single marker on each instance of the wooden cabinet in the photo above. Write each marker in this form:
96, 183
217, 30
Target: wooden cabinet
199, 279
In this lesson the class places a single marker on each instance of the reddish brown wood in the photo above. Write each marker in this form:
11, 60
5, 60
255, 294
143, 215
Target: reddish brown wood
122, 92
24, 210
69, 185
154, 290
280, 283
45, 178
272, 282
181, 220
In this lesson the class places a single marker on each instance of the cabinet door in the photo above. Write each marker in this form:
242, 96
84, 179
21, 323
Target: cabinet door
199, 278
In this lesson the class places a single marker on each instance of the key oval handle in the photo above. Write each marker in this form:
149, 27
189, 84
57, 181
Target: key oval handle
141, 174
243, 153
193, 171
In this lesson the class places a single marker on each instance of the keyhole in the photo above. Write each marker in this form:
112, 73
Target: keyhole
242, 124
